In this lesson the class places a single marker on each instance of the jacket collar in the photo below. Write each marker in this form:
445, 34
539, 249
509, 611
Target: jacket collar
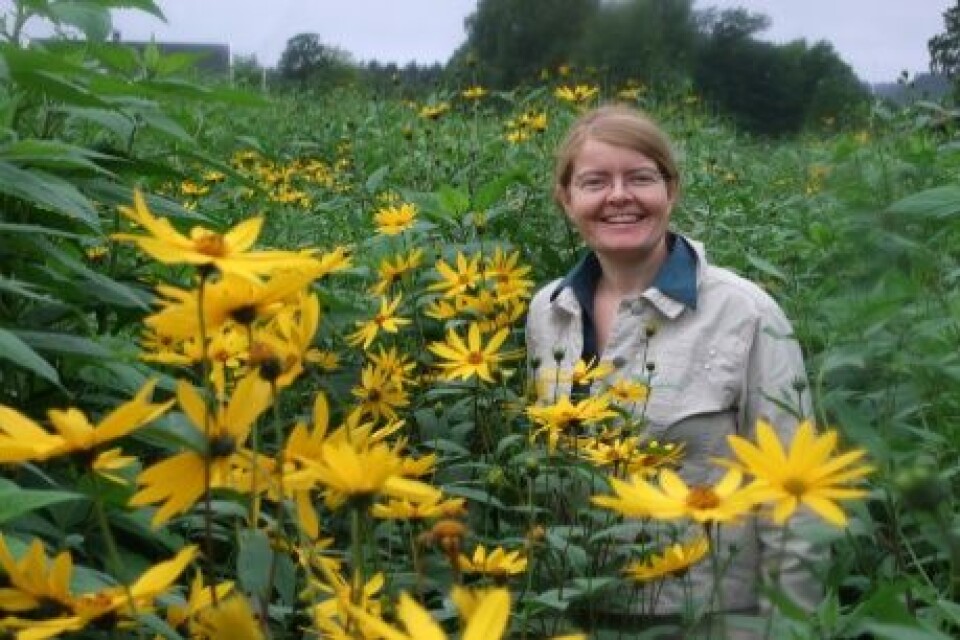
673, 289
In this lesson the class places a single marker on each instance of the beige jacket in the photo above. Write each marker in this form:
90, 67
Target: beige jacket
717, 368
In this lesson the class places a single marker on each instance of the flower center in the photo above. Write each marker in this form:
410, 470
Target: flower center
702, 498
795, 487
210, 244
475, 358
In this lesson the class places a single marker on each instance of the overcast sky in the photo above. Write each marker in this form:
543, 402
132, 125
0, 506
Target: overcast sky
878, 38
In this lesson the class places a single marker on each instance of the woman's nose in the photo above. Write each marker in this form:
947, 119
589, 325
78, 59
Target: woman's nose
618, 191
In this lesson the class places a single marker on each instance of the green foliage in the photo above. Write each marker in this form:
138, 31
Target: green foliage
854, 230
945, 47
512, 41
306, 61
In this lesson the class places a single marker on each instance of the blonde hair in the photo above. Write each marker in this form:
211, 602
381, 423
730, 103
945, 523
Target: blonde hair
618, 125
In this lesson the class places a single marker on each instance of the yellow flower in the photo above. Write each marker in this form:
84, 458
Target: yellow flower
509, 280
349, 470
629, 391
470, 358
474, 93
38, 586
498, 563
228, 252
394, 220
806, 474
398, 366
457, 281
579, 94
22, 439
383, 320
586, 372
673, 500
183, 615
673, 562
487, 620
391, 272
413, 510
179, 481
434, 111
113, 460
380, 393
231, 619
440, 310
562, 416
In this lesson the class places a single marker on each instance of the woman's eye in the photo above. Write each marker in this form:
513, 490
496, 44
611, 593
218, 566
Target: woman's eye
644, 179
593, 184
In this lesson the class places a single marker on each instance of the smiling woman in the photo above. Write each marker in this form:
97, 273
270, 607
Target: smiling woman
715, 352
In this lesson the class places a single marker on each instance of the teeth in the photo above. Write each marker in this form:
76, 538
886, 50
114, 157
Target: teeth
619, 219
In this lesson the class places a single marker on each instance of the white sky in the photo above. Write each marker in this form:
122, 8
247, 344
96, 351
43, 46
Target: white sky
878, 38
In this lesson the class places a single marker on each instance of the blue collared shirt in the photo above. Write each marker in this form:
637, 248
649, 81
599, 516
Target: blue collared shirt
677, 278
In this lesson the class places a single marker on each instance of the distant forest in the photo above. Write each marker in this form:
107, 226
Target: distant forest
764, 88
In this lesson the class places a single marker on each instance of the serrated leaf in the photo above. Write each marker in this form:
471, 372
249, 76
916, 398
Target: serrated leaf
48, 192
18, 352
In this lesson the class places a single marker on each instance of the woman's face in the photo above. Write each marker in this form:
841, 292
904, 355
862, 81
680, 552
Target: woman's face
619, 202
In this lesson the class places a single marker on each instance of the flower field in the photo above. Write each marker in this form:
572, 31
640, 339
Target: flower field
263, 369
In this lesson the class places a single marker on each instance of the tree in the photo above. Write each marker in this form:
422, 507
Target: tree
649, 40
773, 89
944, 48
248, 72
308, 62
511, 41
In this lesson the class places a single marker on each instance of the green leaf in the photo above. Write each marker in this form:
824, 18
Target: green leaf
63, 343
494, 190
15, 502
939, 202
376, 178
48, 192
476, 495
33, 229
16, 351
453, 201
52, 153
147, 6
558, 599
101, 286
92, 20
22, 289
887, 631
116, 122
766, 267
159, 626
253, 563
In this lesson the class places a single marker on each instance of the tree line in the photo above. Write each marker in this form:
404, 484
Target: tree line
764, 88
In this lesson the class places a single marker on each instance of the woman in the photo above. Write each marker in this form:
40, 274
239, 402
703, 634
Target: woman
717, 350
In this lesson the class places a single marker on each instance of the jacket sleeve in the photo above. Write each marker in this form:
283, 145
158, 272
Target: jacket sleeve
776, 390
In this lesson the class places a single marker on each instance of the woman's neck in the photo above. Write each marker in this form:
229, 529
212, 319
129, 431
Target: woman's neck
630, 277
